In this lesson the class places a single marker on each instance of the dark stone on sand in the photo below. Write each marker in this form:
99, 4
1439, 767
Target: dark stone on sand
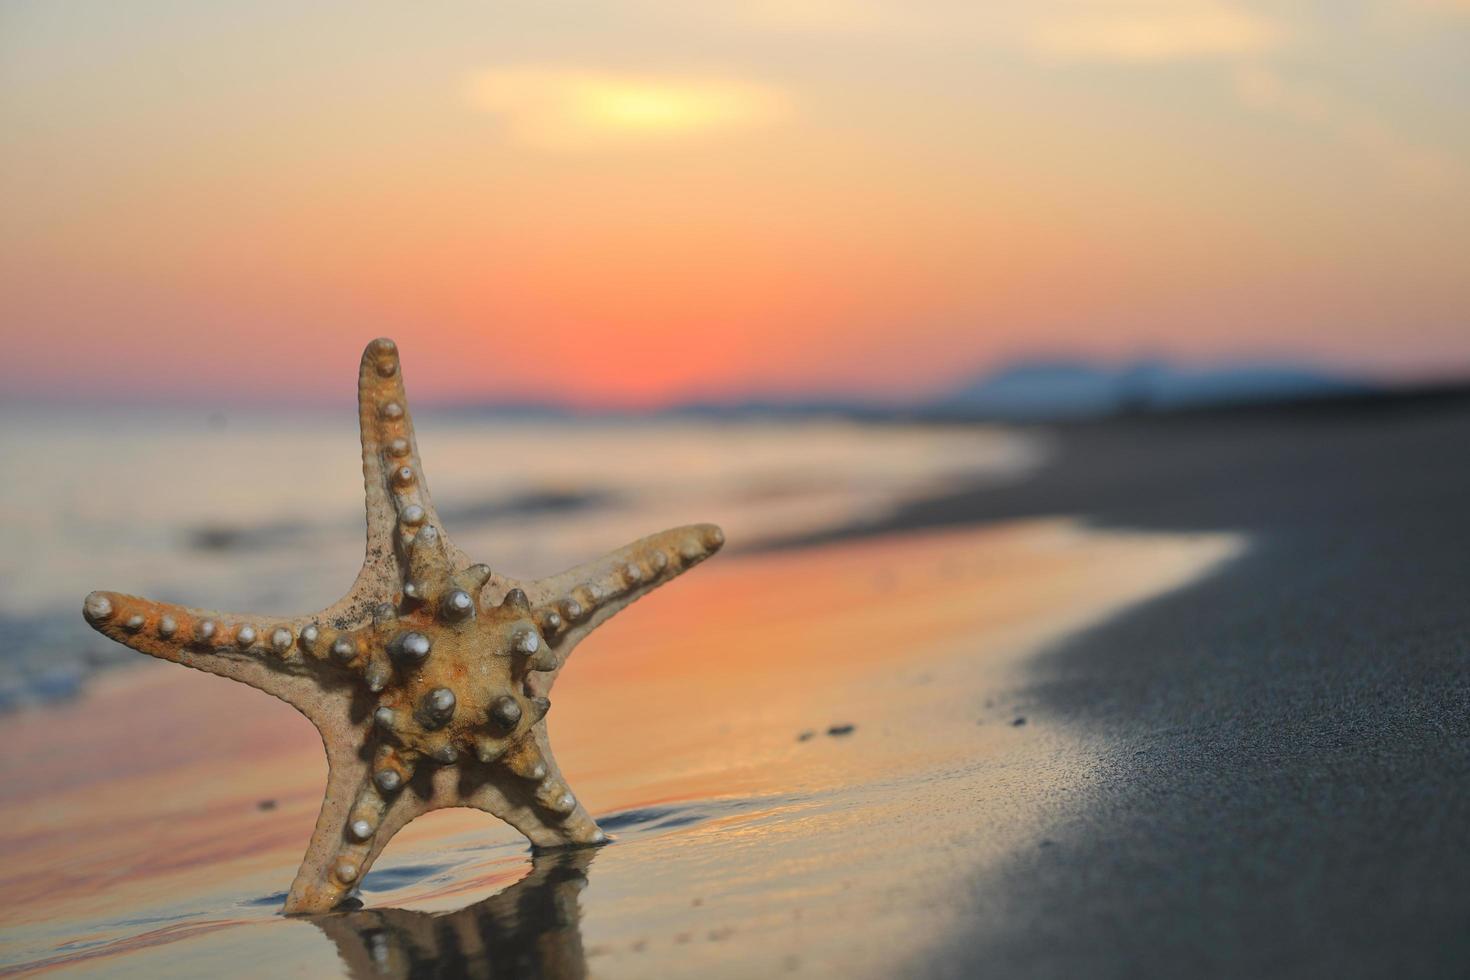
1017, 723
266, 805
841, 729
806, 736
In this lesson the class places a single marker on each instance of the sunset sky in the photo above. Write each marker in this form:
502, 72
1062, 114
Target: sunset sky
634, 201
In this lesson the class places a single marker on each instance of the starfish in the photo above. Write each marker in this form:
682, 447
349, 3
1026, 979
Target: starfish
428, 681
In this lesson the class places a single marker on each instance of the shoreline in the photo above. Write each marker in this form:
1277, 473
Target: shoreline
902, 657
1257, 766
1292, 733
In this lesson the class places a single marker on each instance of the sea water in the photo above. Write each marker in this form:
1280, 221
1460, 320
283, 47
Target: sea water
261, 511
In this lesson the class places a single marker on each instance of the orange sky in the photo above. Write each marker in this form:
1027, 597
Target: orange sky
628, 202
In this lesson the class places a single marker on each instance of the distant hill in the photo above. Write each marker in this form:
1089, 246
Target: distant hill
775, 408
1022, 391
1056, 389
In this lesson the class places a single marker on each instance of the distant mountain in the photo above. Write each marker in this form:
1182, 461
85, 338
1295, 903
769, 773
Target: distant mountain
763, 408
1021, 391
1056, 389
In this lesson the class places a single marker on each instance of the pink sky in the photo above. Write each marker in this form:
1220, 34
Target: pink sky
651, 200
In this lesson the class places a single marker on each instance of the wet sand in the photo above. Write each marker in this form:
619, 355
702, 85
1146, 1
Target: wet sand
150, 828
1285, 783
1216, 723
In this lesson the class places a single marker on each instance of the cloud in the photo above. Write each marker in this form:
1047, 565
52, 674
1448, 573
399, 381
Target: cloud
1266, 90
818, 16
559, 108
1108, 31
1450, 6
1152, 32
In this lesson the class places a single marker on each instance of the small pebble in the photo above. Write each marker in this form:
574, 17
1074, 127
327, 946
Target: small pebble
806, 735
841, 729
1019, 721
266, 805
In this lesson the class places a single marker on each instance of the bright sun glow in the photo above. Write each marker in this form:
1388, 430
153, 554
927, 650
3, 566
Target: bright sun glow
554, 108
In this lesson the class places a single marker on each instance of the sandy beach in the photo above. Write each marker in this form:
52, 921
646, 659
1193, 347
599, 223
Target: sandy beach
1193, 697
755, 830
1066, 404
1288, 762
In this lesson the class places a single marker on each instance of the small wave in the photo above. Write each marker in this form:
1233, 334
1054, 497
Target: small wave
48, 656
653, 818
529, 504
267, 535
687, 814
387, 879
240, 537
266, 901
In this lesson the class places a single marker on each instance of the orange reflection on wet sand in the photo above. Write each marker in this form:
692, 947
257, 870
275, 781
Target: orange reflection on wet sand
167, 804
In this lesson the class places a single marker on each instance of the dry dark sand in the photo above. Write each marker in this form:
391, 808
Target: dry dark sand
1287, 788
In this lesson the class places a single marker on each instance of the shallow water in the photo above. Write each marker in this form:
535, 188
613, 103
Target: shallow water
151, 827
260, 512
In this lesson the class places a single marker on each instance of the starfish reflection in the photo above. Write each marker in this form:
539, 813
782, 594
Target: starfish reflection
531, 929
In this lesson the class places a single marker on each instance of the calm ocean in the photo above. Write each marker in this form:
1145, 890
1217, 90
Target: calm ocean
261, 512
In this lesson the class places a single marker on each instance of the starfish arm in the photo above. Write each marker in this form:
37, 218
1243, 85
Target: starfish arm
572, 604
393, 473
526, 790
362, 809
265, 652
